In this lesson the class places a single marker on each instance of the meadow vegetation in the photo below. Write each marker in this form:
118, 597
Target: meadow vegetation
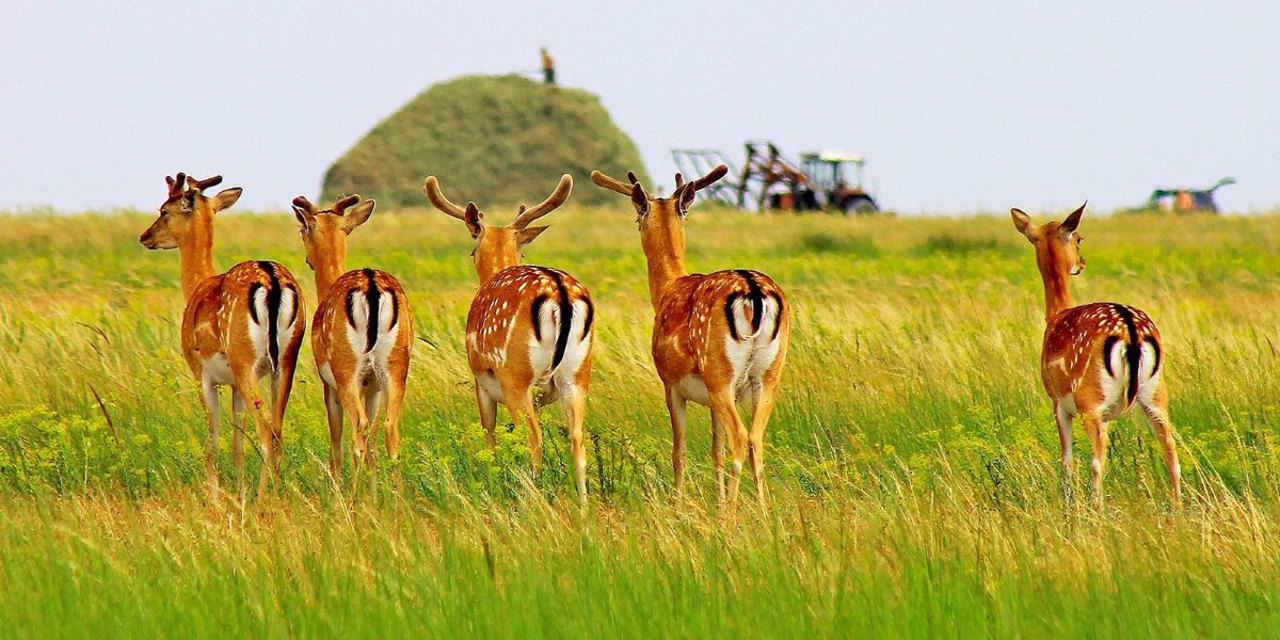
912, 459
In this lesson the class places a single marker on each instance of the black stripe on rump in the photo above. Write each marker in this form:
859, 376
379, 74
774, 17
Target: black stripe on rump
535, 310
1155, 349
591, 317
777, 320
371, 298
566, 317
757, 299
1107, 347
293, 313
756, 296
1132, 351
729, 301
395, 310
273, 310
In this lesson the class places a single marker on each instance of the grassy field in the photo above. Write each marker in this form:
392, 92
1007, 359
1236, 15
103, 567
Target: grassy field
911, 462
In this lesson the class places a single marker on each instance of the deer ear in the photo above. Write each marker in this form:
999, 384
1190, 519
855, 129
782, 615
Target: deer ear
473, 218
638, 198
225, 198
1022, 222
1072, 222
684, 197
527, 234
304, 218
358, 215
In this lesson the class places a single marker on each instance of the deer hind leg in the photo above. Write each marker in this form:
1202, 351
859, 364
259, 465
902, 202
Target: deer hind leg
333, 410
575, 407
395, 402
1155, 406
209, 396
762, 407
372, 396
717, 456
1096, 427
520, 402
677, 408
488, 414
726, 413
1063, 418
246, 383
281, 388
237, 434
351, 398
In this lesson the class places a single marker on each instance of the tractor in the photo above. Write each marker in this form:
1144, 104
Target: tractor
1186, 200
822, 181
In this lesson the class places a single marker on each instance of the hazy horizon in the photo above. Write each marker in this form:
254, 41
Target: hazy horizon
956, 109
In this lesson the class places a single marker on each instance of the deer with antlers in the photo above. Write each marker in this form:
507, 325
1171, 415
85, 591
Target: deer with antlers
718, 339
362, 334
1097, 359
527, 327
238, 327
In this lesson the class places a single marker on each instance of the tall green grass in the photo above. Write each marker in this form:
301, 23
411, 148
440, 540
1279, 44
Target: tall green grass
911, 462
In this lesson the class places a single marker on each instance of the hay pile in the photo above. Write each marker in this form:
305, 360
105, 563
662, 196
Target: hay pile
498, 140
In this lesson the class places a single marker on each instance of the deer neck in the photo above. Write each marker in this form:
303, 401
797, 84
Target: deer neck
665, 257
1057, 288
196, 251
489, 265
328, 271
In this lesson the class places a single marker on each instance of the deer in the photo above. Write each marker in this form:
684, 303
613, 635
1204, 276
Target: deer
528, 326
1097, 360
362, 332
719, 339
237, 327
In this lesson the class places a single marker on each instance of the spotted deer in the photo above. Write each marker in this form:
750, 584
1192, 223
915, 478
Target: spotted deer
238, 327
718, 339
1097, 359
362, 333
528, 326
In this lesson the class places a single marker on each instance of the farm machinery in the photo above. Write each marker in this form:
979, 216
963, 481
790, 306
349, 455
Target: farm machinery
1186, 200
768, 180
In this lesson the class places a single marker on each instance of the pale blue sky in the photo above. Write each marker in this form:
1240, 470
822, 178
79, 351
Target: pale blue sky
957, 108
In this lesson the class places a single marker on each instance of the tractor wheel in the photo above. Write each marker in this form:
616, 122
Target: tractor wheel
858, 205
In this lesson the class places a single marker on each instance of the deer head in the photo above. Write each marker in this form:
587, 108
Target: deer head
186, 210
324, 233
1057, 243
661, 220
499, 247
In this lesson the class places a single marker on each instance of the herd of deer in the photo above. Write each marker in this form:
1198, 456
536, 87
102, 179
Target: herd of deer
719, 339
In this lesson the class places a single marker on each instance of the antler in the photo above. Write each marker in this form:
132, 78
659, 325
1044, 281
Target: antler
612, 184
341, 205
201, 185
707, 180
176, 184
303, 203
557, 198
431, 187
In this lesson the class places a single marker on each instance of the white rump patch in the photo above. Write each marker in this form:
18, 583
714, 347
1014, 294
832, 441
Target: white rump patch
753, 354
371, 364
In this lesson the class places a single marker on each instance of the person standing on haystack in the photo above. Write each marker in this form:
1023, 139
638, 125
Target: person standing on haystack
548, 67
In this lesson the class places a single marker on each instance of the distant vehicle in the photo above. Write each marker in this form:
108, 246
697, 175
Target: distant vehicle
822, 180
838, 177
1185, 200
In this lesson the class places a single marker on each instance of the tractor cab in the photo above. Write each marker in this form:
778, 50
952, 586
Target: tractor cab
838, 176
